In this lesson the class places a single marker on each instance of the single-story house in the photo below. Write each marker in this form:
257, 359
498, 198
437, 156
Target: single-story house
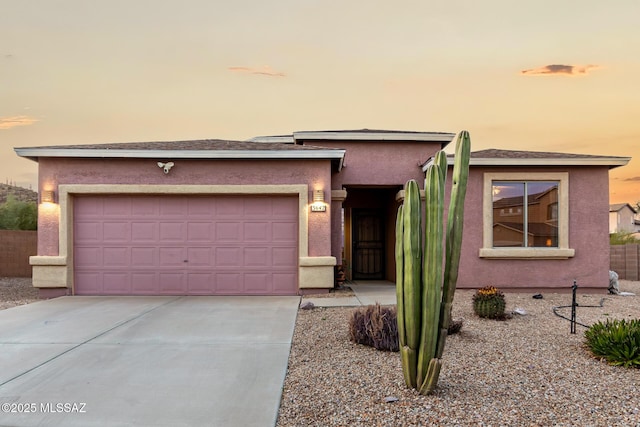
275, 215
623, 218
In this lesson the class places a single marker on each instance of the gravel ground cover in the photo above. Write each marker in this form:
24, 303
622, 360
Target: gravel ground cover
526, 371
16, 291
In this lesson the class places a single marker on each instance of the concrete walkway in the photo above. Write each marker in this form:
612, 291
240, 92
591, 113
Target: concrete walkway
145, 361
366, 293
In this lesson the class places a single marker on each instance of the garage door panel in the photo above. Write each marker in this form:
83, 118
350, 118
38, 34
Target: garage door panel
142, 232
228, 232
285, 208
257, 231
228, 207
176, 245
284, 232
199, 283
257, 283
228, 283
172, 231
117, 207
284, 257
88, 232
200, 257
145, 207
116, 257
257, 257
91, 282
200, 231
144, 257
257, 207
171, 283
283, 282
116, 232
144, 283
171, 257
116, 283
201, 208
89, 257
228, 257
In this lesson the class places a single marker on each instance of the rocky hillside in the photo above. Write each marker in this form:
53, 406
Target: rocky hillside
19, 193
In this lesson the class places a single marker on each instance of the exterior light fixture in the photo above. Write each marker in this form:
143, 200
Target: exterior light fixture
47, 196
318, 204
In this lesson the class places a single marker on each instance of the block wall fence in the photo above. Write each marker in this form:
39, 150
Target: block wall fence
15, 249
625, 260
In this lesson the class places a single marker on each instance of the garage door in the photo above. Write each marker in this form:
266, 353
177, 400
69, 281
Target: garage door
185, 245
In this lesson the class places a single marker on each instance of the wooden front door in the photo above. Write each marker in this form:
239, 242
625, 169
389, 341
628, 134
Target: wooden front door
368, 244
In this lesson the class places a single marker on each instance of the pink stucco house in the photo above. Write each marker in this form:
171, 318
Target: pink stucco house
275, 215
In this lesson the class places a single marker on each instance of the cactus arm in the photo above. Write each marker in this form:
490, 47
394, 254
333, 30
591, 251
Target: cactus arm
454, 230
432, 271
431, 381
412, 289
402, 339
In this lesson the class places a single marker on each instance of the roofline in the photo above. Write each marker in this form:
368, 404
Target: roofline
273, 139
612, 162
375, 136
35, 153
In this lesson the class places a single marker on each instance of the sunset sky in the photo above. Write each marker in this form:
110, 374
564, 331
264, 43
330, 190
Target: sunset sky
543, 76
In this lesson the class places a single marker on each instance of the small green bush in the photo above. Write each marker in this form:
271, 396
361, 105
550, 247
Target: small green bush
616, 341
622, 238
377, 326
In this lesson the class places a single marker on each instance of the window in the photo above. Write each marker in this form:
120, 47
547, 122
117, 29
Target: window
526, 215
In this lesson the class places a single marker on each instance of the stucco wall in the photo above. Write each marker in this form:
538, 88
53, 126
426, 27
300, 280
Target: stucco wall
588, 235
314, 173
374, 163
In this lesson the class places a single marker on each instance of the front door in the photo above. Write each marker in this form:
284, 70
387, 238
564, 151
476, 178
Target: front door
368, 244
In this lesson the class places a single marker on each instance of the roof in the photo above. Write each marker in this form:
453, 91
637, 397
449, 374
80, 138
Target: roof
618, 206
494, 157
198, 149
374, 135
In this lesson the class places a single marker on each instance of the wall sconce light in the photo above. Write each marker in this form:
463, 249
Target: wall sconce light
47, 196
318, 204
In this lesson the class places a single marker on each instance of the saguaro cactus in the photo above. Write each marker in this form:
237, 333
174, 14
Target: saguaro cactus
424, 291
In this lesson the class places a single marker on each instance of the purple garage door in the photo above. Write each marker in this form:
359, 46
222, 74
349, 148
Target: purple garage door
185, 245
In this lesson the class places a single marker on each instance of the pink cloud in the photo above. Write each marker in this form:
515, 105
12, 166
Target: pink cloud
559, 69
265, 71
14, 121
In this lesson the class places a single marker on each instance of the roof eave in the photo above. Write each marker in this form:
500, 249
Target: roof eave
611, 162
35, 153
375, 136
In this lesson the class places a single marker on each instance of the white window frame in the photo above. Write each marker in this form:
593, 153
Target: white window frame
563, 251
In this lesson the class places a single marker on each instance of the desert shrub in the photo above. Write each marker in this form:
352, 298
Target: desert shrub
622, 238
489, 302
377, 326
18, 215
616, 341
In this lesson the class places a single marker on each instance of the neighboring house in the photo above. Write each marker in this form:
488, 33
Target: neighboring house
622, 219
274, 215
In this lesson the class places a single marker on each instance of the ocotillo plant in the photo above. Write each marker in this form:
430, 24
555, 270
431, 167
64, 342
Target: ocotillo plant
424, 292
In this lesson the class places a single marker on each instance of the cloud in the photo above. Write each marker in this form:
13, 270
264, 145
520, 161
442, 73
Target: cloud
559, 69
634, 178
265, 71
11, 122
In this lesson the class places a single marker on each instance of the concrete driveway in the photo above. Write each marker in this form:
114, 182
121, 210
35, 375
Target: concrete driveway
145, 361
